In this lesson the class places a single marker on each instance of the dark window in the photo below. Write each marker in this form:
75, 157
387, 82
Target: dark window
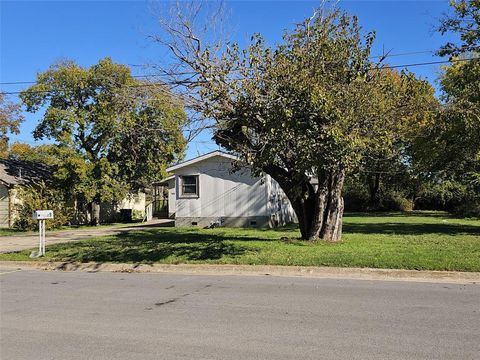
189, 185
194, 223
253, 223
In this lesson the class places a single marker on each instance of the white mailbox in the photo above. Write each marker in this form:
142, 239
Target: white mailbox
42, 214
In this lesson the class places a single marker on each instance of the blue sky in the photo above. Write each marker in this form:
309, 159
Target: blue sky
35, 34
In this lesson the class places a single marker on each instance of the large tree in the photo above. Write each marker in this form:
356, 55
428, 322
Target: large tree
45, 153
304, 111
464, 21
455, 135
10, 119
392, 164
114, 133
450, 152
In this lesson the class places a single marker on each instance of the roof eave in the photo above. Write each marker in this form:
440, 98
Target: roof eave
201, 158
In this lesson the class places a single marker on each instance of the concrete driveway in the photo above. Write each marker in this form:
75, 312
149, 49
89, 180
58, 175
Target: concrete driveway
79, 315
23, 241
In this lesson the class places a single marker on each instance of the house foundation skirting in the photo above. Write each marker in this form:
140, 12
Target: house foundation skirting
247, 221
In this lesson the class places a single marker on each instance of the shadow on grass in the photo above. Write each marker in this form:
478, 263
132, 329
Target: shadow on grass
287, 227
434, 214
150, 247
411, 229
176, 245
401, 228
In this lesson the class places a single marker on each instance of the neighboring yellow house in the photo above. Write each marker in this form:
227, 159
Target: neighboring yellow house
12, 174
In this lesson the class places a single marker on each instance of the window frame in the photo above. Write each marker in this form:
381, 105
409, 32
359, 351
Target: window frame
182, 194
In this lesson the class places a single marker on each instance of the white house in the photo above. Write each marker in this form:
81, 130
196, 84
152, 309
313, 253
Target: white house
207, 191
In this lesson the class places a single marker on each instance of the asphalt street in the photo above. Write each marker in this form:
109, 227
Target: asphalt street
80, 315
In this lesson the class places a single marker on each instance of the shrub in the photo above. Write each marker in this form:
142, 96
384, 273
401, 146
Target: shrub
453, 196
468, 209
440, 196
137, 215
396, 201
41, 197
355, 196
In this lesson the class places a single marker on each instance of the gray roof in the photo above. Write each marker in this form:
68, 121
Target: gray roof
15, 172
201, 158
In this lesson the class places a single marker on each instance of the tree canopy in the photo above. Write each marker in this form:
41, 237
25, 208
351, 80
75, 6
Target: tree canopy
465, 22
114, 133
305, 111
456, 134
45, 154
450, 151
10, 119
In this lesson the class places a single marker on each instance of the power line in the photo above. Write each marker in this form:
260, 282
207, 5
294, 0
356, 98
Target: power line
387, 55
17, 82
157, 75
426, 63
34, 82
160, 86
157, 84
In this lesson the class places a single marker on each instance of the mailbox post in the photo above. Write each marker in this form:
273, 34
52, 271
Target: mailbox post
41, 216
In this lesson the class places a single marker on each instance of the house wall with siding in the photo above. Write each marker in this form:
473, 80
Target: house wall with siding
4, 206
226, 197
110, 212
9, 203
15, 202
171, 198
278, 204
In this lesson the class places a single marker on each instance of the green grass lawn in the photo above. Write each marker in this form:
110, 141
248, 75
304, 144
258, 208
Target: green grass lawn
419, 240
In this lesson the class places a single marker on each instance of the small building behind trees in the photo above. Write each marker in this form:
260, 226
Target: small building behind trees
26, 185
14, 174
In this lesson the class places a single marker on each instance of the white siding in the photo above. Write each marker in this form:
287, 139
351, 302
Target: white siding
279, 206
171, 198
4, 206
110, 211
134, 201
222, 193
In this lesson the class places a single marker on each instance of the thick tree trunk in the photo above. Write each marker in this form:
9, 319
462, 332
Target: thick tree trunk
333, 214
320, 197
95, 213
373, 187
319, 211
304, 208
327, 220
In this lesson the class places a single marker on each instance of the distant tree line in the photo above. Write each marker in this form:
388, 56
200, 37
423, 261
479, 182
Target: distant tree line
437, 168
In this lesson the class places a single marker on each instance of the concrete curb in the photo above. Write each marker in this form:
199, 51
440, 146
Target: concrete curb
257, 270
